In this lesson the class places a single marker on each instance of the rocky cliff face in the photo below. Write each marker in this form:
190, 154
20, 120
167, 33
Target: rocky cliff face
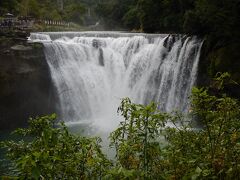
26, 89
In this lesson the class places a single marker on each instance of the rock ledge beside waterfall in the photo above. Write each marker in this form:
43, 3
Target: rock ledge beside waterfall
26, 89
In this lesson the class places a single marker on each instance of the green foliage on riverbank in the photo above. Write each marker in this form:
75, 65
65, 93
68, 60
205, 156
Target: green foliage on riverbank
149, 144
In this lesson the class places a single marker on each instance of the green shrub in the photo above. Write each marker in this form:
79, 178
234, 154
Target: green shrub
149, 144
53, 153
137, 139
155, 145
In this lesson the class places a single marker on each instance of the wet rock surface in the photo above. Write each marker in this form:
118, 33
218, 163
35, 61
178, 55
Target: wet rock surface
26, 89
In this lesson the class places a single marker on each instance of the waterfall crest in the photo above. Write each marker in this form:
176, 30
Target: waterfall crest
93, 71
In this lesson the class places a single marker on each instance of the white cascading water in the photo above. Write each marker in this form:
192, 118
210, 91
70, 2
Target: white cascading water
92, 71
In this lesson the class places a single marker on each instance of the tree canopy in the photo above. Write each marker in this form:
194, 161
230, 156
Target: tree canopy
71, 10
199, 17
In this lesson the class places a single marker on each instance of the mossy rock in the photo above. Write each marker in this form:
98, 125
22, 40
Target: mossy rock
37, 45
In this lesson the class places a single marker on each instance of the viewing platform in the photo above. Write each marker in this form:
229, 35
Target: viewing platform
9, 24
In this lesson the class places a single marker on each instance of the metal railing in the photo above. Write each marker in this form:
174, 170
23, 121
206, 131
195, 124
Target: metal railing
15, 23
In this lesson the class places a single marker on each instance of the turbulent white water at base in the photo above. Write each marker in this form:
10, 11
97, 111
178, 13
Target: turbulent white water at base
93, 71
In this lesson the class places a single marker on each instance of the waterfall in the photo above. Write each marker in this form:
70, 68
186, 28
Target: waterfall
92, 71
